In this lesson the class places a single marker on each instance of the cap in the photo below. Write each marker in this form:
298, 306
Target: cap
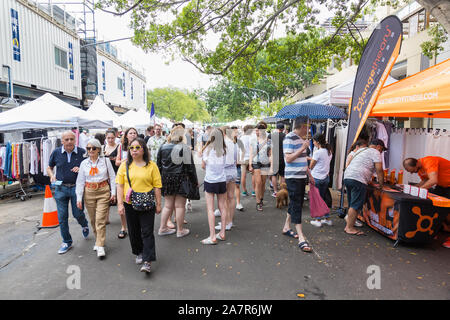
378, 142
280, 125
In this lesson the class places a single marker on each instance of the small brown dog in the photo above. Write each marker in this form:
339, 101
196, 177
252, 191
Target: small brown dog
282, 196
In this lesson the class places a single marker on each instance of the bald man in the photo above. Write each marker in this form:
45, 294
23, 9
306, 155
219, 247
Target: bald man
67, 160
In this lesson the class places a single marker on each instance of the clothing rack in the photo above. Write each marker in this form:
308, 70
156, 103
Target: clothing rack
21, 193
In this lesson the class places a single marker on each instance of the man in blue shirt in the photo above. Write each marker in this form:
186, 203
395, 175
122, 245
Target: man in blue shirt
67, 160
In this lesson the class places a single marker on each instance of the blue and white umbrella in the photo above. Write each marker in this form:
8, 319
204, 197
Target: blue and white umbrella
312, 111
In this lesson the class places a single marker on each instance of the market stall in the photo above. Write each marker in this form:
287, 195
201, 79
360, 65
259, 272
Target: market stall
404, 217
394, 211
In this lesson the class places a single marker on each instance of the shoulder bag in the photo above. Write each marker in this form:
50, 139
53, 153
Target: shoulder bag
188, 188
141, 201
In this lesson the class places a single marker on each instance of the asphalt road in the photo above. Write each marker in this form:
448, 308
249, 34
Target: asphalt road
255, 262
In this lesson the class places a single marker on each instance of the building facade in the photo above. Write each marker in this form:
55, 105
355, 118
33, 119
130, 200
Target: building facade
120, 86
39, 52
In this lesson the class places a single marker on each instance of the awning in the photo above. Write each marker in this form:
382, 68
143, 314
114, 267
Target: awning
423, 95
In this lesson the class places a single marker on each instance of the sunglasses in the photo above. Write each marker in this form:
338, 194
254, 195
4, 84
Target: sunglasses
91, 148
134, 148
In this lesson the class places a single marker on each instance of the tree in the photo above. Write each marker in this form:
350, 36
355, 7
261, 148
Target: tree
244, 27
176, 104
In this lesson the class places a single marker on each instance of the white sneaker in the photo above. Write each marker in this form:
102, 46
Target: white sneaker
316, 223
189, 206
101, 252
139, 259
274, 194
326, 221
217, 213
239, 207
227, 227
95, 248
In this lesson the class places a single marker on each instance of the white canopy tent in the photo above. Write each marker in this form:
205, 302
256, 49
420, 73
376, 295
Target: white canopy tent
48, 112
339, 95
188, 123
100, 110
136, 119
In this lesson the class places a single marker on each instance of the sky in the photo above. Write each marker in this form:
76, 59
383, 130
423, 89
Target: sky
158, 73
179, 74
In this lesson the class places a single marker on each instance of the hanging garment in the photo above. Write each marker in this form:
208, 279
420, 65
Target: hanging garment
388, 126
341, 139
383, 136
396, 154
438, 144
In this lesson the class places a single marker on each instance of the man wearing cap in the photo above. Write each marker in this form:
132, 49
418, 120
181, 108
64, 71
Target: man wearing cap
364, 163
67, 161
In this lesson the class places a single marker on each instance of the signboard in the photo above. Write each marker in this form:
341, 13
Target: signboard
376, 63
15, 34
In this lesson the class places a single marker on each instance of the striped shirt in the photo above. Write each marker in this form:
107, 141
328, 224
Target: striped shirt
296, 169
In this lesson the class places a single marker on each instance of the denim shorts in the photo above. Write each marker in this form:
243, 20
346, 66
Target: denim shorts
356, 193
239, 172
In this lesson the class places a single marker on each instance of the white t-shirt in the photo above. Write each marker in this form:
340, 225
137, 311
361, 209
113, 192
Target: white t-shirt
362, 166
322, 167
215, 166
231, 158
246, 142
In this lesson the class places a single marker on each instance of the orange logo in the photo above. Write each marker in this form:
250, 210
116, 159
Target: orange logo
416, 210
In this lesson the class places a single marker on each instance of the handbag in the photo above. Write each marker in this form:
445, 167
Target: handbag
189, 189
140, 201
318, 207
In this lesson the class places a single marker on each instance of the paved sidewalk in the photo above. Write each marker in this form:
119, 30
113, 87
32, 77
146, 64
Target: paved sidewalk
255, 262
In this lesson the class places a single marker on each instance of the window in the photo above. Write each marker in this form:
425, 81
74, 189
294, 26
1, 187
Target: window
120, 84
61, 58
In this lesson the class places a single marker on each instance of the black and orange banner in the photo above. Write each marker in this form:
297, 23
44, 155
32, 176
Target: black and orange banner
376, 63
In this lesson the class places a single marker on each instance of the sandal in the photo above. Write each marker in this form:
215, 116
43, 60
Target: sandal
218, 237
291, 233
305, 246
166, 232
208, 241
183, 233
358, 233
122, 234
259, 206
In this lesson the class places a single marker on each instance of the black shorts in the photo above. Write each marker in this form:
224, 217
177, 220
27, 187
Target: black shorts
281, 168
216, 188
260, 165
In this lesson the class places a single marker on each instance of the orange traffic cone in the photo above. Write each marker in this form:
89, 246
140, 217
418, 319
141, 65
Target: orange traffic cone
50, 217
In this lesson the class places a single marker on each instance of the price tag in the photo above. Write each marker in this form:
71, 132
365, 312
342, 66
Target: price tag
406, 188
414, 191
423, 193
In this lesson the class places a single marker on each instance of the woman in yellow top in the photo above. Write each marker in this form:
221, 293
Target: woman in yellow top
144, 177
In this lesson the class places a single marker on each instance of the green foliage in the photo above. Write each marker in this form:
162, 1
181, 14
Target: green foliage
434, 46
177, 105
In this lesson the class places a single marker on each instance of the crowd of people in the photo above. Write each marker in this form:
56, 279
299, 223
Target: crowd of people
134, 172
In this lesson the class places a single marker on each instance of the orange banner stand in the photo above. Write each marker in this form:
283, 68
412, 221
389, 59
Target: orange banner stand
423, 95
50, 216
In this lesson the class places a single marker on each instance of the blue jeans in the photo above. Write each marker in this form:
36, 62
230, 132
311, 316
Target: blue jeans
63, 195
322, 185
